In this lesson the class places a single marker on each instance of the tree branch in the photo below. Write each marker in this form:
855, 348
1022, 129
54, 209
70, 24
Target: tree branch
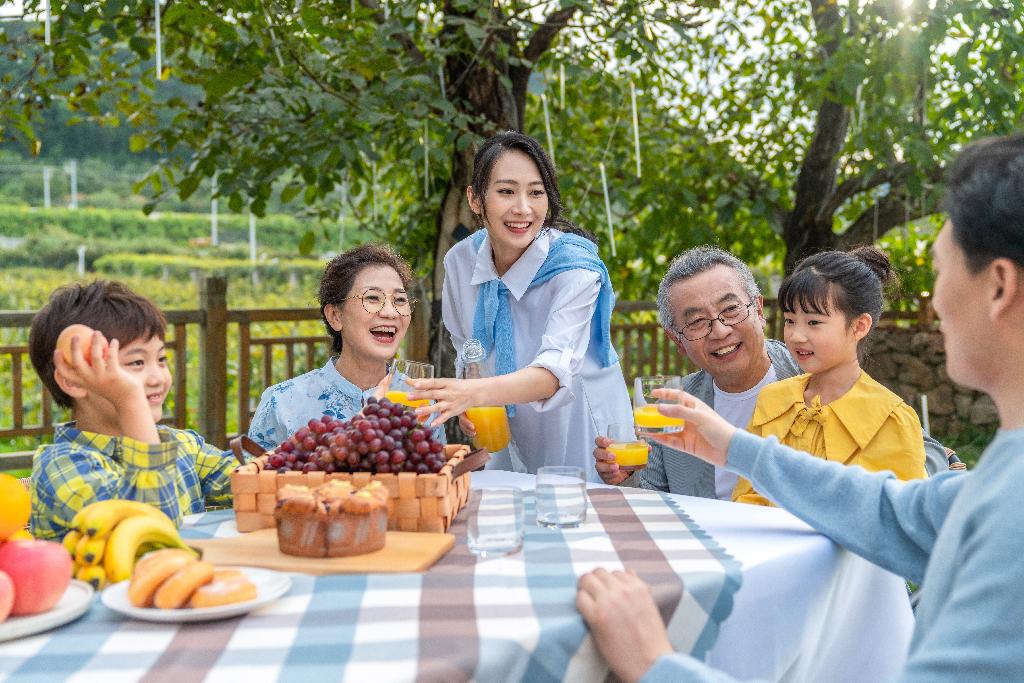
538, 44
893, 211
862, 183
542, 38
325, 87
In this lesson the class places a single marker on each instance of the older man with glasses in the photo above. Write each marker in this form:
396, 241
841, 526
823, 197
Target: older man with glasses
712, 308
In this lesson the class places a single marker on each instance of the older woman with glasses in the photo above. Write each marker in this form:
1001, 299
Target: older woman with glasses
366, 310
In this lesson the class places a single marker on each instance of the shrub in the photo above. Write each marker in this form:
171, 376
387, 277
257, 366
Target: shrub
278, 232
181, 267
57, 248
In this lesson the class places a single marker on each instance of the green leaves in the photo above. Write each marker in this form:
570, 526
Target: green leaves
326, 112
137, 143
290, 191
221, 82
307, 242
140, 45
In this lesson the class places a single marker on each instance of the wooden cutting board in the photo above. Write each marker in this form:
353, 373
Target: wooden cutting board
403, 551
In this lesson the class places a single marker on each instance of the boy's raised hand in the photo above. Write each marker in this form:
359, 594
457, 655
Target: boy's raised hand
103, 376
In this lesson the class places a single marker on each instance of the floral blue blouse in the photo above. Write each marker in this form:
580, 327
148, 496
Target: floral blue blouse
291, 404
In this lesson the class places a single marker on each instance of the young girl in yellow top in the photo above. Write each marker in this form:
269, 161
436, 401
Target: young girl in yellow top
835, 411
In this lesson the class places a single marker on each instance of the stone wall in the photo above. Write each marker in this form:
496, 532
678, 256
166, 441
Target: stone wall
912, 362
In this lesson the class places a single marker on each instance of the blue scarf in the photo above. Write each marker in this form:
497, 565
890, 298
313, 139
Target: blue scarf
492, 320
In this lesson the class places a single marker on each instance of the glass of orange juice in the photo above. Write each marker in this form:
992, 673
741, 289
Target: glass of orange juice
399, 389
646, 416
629, 450
491, 423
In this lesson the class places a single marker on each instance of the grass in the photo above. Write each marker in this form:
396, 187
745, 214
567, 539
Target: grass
969, 444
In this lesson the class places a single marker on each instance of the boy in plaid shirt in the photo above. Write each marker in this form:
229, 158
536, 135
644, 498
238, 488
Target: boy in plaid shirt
114, 447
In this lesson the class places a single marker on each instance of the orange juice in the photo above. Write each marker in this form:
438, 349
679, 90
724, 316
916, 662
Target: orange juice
403, 398
647, 417
630, 455
491, 424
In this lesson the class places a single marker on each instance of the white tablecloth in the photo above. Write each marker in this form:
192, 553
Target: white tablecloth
807, 610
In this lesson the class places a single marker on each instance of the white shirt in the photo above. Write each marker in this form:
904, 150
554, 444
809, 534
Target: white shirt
736, 409
552, 331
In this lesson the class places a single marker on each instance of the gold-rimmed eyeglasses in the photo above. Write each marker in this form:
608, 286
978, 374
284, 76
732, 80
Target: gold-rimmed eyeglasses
696, 330
373, 301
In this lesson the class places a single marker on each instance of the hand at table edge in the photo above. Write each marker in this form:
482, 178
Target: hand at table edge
623, 620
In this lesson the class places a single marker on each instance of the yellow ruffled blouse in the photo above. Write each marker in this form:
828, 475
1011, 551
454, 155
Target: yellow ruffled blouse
868, 426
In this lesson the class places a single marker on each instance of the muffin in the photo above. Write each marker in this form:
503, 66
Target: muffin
301, 521
332, 520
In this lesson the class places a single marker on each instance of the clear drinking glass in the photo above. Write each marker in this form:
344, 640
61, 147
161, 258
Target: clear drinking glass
645, 406
629, 450
497, 526
561, 496
399, 389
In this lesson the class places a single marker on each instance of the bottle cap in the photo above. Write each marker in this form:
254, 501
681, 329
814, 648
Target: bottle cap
472, 351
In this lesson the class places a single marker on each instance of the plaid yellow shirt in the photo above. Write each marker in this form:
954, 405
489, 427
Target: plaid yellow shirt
178, 475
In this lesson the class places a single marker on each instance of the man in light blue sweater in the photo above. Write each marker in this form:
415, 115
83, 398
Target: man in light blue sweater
957, 533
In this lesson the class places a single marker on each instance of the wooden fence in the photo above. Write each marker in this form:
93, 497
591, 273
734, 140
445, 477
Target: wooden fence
235, 363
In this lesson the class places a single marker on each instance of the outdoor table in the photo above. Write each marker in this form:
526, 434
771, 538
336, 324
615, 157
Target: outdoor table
794, 606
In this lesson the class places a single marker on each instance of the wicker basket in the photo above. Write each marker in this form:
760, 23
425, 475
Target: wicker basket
418, 502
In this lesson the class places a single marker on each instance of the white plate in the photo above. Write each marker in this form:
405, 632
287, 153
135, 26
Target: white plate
72, 604
270, 585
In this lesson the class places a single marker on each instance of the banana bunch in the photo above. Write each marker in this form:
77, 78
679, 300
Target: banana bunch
108, 536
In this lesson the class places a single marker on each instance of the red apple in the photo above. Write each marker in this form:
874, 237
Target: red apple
6, 595
41, 572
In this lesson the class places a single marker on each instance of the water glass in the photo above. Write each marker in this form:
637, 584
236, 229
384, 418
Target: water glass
399, 389
645, 406
497, 526
629, 450
561, 497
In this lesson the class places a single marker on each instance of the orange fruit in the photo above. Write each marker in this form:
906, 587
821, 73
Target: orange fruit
84, 334
15, 506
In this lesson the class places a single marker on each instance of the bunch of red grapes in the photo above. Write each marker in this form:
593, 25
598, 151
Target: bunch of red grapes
384, 437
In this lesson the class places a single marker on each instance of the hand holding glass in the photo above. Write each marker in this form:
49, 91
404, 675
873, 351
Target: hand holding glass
401, 370
630, 451
646, 416
491, 424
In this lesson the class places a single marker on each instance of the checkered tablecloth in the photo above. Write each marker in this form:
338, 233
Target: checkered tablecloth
504, 619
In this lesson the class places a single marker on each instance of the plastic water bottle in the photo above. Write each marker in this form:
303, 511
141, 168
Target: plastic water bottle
491, 422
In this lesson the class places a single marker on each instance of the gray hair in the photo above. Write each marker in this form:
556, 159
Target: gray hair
693, 262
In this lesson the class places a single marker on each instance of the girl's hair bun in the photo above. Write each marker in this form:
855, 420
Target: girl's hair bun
877, 260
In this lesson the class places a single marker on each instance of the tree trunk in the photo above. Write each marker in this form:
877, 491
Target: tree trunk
478, 91
454, 221
809, 226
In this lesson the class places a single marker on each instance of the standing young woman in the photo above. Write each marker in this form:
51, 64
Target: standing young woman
532, 288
